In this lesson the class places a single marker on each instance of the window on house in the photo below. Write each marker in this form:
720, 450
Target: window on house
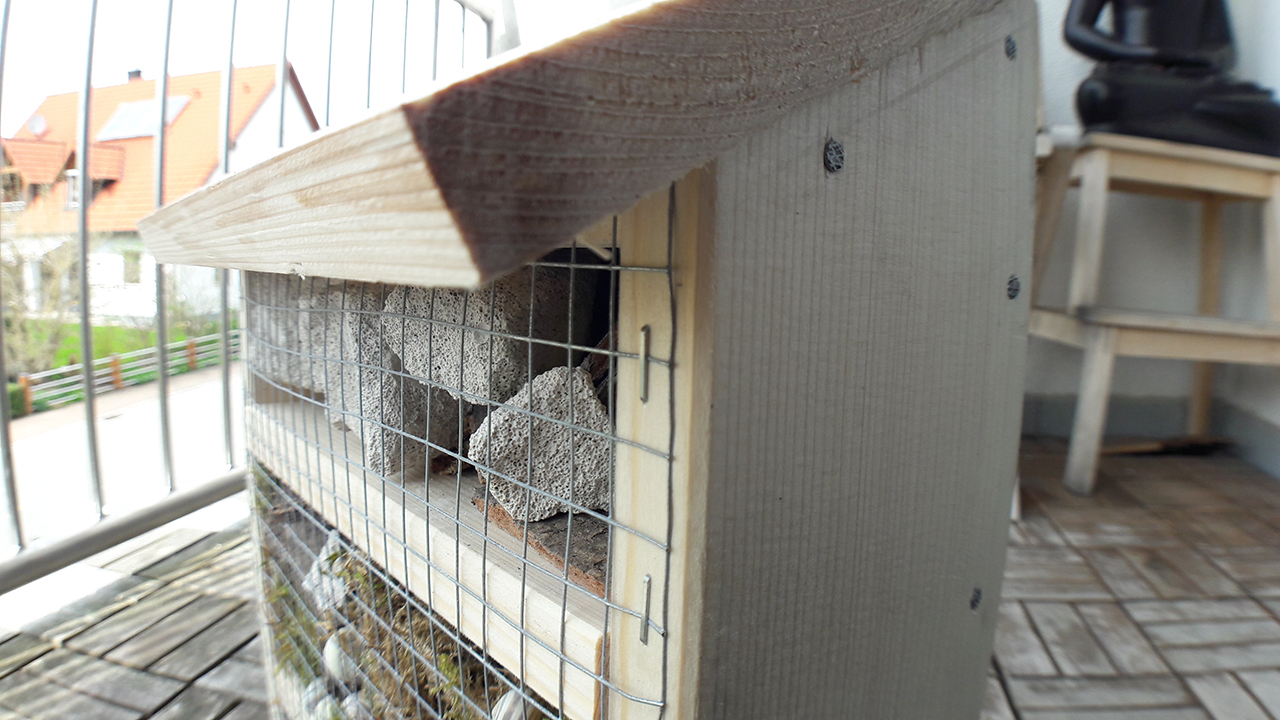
132, 266
73, 189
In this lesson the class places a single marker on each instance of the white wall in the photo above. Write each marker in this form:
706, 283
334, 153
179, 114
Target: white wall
1151, 256
260, 138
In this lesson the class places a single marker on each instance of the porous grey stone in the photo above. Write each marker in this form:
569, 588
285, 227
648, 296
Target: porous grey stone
271, 340
347, 358
523, 447
478, 366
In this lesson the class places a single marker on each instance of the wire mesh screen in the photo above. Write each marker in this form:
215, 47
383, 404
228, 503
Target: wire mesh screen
436, 489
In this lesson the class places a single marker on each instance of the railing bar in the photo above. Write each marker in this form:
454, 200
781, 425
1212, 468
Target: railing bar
225, 350
162, 330
328, 77
282, 73
224, 119
86, 328
223, 312
368, 84
41, 561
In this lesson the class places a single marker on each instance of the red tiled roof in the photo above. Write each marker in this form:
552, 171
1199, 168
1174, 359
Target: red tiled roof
191, 152
106, 162
39, 161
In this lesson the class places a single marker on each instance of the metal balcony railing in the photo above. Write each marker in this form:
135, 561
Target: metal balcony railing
62, 385
84, 382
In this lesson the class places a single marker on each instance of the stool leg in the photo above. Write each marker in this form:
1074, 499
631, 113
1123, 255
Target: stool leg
1210, 279
1087, 265
1051, 190
1271, 247
1091, 410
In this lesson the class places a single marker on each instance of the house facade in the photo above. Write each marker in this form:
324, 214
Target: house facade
41, 181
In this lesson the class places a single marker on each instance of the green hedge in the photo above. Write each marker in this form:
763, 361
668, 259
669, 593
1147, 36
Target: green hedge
17, 403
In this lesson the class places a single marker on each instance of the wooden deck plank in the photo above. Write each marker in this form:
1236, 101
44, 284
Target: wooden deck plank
1154, 611
1265, 686
1018, 648
1031, 590
1214, 633
32, 696
1203, 574
199, 554
1069, 641
20, 650
1252, 566
1168, 581
995, 706
1119, 576
237, 677
252, 652
248, 710
1081, 693
174, 541
217, 642
105, 680
196, 703
87, 612
1123, 641
1040, 530
163, 637
1225, 699
1183, 713
1224, 657
119, 628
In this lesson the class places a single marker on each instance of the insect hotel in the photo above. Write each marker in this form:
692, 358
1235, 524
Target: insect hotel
672, 370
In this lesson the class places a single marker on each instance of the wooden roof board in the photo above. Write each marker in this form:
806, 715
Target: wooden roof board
493, 170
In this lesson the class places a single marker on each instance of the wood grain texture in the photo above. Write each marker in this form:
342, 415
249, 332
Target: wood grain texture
494, 170
1201, 398
865, 388
1160, 335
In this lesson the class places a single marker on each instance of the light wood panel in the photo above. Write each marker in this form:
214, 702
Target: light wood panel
1182, 151
1171, 337
1210, 290
493, 170
1086, 269
1271, 248
866, 388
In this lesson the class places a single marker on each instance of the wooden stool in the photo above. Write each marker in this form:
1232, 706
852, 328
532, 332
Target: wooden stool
1208, 176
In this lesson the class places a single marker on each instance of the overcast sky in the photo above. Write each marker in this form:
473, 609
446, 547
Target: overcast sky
45, 53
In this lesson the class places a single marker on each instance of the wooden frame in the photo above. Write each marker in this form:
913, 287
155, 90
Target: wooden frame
1207, 176
845, 344
492, 171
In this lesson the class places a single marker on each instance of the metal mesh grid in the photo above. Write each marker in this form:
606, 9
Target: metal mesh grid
415, 438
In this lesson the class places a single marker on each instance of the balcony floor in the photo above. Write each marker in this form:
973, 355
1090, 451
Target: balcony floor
176, 638
1158, 597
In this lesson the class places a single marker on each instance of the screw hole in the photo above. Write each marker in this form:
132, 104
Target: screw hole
1010, 48
833, 156
1015, 286
975, 600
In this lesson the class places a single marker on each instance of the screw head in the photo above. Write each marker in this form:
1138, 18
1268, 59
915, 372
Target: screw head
833, 156
1015, 286
975, 600
1010, 48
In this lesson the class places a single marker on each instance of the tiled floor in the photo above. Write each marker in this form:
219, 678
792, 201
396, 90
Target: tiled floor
175, 639
1158, 597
